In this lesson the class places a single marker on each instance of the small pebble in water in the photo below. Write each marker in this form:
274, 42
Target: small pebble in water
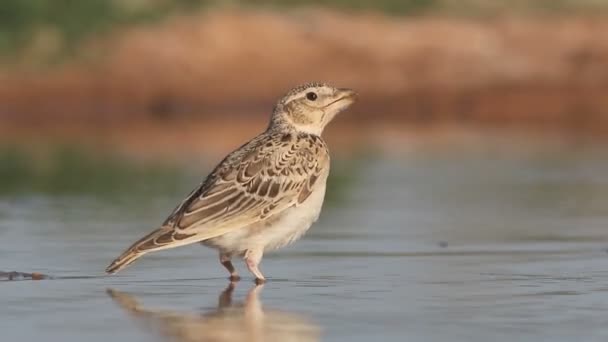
443, 244
21, 276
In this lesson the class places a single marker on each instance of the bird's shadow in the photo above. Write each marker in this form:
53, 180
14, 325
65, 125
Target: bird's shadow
229, 321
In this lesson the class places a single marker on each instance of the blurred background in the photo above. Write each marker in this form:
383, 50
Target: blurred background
180, 80
472, 171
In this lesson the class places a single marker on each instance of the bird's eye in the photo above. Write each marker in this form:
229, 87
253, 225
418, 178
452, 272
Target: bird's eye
311, 96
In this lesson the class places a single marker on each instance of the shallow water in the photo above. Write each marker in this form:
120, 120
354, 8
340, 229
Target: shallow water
465, 246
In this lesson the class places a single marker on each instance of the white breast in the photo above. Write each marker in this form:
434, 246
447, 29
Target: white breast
293, 223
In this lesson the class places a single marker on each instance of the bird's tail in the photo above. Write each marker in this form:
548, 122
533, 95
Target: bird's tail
124, 260
161, 238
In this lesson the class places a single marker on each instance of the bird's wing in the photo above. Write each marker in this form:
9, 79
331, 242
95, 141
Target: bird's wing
268, 178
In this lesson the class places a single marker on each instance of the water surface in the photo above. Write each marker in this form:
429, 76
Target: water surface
430, 246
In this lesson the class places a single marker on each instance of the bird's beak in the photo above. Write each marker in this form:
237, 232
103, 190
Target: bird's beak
344, 98
345, 93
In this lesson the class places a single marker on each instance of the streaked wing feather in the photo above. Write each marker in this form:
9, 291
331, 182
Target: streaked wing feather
273, 175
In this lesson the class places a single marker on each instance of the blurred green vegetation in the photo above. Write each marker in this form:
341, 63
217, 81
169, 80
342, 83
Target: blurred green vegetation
59, 25
343, 176
69, 21
71, 171
387, 6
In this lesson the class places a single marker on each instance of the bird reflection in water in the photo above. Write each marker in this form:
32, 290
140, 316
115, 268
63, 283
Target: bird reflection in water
246, 321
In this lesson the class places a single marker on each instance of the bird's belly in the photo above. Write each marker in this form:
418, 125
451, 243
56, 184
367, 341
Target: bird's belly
292, 224
275, 232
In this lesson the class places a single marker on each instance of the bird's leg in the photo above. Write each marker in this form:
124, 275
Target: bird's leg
252, 259
253, 306
225, 260
225, 299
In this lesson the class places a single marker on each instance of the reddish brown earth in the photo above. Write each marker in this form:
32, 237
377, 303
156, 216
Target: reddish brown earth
192, 75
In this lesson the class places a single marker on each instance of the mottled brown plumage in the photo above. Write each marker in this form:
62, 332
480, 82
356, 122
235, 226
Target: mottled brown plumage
265, 184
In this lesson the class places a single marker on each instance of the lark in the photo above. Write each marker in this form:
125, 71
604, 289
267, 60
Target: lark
262, 196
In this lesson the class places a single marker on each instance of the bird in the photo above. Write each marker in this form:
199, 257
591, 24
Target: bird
262, 196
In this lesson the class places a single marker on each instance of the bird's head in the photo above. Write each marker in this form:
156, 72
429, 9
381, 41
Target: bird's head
310, 107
